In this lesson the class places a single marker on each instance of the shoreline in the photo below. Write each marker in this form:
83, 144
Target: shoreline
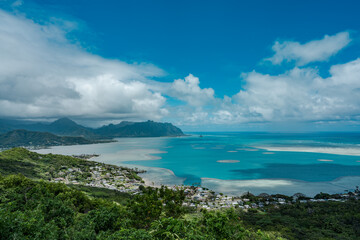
281, 186
156, 176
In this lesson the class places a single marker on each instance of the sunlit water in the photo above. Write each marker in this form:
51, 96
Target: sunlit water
236, 156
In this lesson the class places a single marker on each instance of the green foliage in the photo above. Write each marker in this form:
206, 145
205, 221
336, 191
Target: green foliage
139, 129
22, 137
322, 220
43, 210
46, 166
34, 165
103, 193
322, 196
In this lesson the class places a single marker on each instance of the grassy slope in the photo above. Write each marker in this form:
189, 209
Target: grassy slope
34, 165
39, 166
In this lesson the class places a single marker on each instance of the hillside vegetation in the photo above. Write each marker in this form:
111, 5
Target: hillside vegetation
33, 208
17, 138
43, 210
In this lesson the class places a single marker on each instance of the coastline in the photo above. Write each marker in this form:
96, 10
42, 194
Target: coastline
156, 176
280, 186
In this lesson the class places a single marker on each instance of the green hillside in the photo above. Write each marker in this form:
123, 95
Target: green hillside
17, 138
34, 165
140, 129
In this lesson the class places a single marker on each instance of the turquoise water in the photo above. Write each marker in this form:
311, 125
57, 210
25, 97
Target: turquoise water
196, 157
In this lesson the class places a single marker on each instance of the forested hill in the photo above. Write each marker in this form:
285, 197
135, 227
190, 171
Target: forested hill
17, 138
67, 127
139, 129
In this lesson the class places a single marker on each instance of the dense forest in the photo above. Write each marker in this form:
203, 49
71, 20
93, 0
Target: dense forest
43, 210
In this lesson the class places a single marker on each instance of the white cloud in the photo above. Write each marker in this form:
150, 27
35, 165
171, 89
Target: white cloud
188, 90
298, 95
43, 74
302, 95
313, 51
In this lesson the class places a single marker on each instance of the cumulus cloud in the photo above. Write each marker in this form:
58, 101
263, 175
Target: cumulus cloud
313, 51
302, 94
297, 95
43, 74
188, 90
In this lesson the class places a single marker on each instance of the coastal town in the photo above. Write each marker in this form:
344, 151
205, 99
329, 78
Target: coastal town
99, 175
126, 180
202, 198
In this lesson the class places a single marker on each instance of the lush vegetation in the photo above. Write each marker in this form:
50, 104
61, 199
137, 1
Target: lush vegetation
45, 166
44, 210
17, 138
139, 129
103, 193
321, 220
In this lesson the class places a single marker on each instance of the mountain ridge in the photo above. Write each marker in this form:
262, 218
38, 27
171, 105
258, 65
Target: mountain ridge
22, 137
68, 127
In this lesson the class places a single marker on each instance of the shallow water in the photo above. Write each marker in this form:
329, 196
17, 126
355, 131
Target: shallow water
236, 156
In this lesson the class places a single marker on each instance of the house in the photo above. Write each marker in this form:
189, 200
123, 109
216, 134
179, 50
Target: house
197, 197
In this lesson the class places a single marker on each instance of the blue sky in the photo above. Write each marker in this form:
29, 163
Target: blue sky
239, 79
214, 40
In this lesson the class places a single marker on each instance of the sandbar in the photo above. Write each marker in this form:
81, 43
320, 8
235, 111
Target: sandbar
325, 160
329, 150
282, 186
228, 161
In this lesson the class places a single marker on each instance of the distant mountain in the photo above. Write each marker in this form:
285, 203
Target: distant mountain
62, 127
22, 137
67, 127
110, 129
9, 124
140, 129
